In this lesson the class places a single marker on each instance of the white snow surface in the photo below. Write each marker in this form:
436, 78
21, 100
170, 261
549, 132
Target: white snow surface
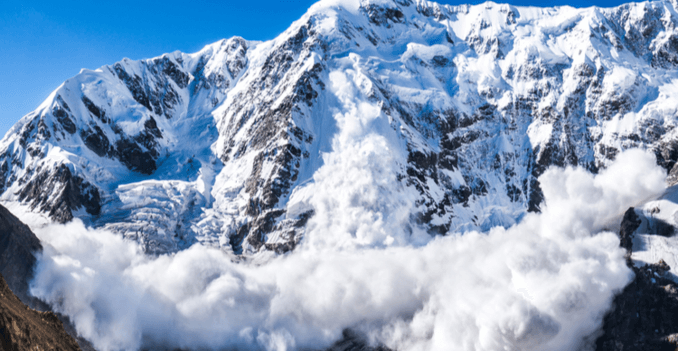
651, 244
254, 134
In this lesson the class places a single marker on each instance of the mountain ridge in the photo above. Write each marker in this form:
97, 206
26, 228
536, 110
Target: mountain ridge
472, 103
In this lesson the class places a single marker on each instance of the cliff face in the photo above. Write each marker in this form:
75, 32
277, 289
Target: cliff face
18, 247
22, 328
644, 313
471, 104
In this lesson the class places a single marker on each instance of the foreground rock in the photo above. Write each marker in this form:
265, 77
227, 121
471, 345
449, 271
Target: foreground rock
645, 314
352, 341
23, 328
18, 249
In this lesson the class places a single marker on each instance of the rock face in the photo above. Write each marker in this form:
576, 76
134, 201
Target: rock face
473, 104
22, 328
18, 249
644, 313
351, 341
630, 222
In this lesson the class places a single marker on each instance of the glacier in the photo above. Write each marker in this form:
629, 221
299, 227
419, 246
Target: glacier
228, 146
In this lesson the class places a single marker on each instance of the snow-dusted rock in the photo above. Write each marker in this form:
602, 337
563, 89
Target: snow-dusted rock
465, 105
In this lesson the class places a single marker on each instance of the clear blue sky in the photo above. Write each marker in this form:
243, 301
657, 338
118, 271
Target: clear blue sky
43, 43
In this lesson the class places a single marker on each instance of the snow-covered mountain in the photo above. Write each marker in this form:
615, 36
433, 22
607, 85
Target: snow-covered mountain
458, 108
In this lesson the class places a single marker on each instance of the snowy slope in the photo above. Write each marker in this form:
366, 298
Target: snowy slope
452, 112
655, 238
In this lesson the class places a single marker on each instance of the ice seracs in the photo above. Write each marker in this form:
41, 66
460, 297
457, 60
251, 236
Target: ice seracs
238, 145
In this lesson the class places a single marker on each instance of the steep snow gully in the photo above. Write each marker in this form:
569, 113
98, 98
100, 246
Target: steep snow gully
429, 177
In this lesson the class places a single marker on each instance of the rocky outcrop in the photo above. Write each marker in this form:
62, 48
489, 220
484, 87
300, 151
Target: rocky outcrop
644, 313
352, 341
59, 193
18, 250
22, 328
630, 222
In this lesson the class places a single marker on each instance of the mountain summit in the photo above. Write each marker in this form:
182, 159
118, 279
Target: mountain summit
446, 113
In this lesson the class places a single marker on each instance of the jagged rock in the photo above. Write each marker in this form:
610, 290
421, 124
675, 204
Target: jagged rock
644, 313
22, 328
643, 316
352, 341
18, 250
187, 148
630, 222
66, 194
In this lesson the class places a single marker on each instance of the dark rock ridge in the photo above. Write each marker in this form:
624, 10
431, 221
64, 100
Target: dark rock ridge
58, 193
353, 341
645, 313
18, 250
23, 329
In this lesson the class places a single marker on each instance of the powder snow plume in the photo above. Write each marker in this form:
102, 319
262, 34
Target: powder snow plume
543, 284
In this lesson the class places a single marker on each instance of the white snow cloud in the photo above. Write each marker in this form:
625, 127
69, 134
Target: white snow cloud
542, 284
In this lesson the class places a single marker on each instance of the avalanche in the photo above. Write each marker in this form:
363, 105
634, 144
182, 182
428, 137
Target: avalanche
424, 174
471, 104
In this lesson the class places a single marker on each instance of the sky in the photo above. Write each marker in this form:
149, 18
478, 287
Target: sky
43, 43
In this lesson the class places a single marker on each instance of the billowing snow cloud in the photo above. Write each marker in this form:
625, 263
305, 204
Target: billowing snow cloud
544, 283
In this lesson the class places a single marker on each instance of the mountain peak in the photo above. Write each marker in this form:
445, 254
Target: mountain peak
473, 104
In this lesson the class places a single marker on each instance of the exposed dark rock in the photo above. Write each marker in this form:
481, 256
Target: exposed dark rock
644, 313
552, 155
63, 118
262, 226
513, 192
303, 89
629, 224
440, 61
43, 131
462, 194
422, 165
4, 170
152, 128
672, 178
96, 140
667, 154
67, 193
172, 71
279, 185
94, 109
535, 197
352, 341
383, 15
22, 328
666, 53
661, 228
134, 85
134, 157
18, 249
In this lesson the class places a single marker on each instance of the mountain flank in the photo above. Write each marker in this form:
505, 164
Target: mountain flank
644, 313
22, 328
